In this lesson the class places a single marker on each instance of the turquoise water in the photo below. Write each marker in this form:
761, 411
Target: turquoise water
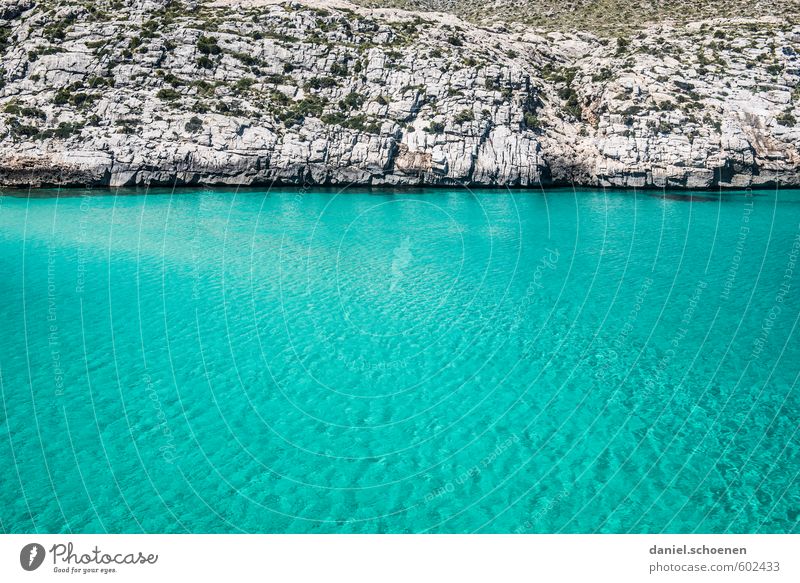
432, 361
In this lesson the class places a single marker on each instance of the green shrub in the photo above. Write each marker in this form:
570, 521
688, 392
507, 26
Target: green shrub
232, 108
276, 79
321, 83
358, 122
58, 31
207, 45
352, 101
435, 127
168, 94
33, 112
279, 98
247, 59
194, 125
62, 96
203, 87
573, 107
560, 75
95, 81
531, 120
51, 50
21, 130
415, 88
311, 106
464, 116
339, 70
78, 99
64, 130
151, 26
81, 98
173, 79
244, 84
566, 92
128, 126
604, 75
335, 118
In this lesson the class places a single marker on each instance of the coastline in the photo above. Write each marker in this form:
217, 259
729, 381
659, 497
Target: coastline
315, 94
41, 181
75, 191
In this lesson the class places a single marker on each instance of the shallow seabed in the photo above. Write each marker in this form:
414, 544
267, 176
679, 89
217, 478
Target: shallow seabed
427, 361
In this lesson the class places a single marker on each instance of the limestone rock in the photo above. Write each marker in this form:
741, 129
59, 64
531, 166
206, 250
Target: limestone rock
322, 92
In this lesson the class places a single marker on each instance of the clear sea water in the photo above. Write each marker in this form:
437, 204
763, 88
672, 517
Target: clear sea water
389, 362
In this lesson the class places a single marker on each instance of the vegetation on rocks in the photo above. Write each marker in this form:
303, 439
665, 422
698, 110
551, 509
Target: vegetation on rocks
605, 17
256, 91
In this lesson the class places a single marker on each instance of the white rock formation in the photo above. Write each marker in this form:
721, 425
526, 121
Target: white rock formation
257, 92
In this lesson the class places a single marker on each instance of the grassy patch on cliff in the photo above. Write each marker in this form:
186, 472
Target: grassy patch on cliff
604, 17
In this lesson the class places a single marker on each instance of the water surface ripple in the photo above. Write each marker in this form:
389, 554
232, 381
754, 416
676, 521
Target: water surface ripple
430, 361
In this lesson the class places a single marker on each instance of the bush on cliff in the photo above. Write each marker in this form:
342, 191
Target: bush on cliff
786, 119
464, 116
531, 121
194, 125
435, 128
168, 94
207, 45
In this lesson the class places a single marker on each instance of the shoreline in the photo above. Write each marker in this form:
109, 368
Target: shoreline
74, 191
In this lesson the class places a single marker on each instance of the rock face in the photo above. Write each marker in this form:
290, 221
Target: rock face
259, 92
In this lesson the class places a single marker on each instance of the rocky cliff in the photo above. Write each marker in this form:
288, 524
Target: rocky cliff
132, 92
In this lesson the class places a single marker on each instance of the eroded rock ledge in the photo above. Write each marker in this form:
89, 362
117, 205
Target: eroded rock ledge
256, 92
